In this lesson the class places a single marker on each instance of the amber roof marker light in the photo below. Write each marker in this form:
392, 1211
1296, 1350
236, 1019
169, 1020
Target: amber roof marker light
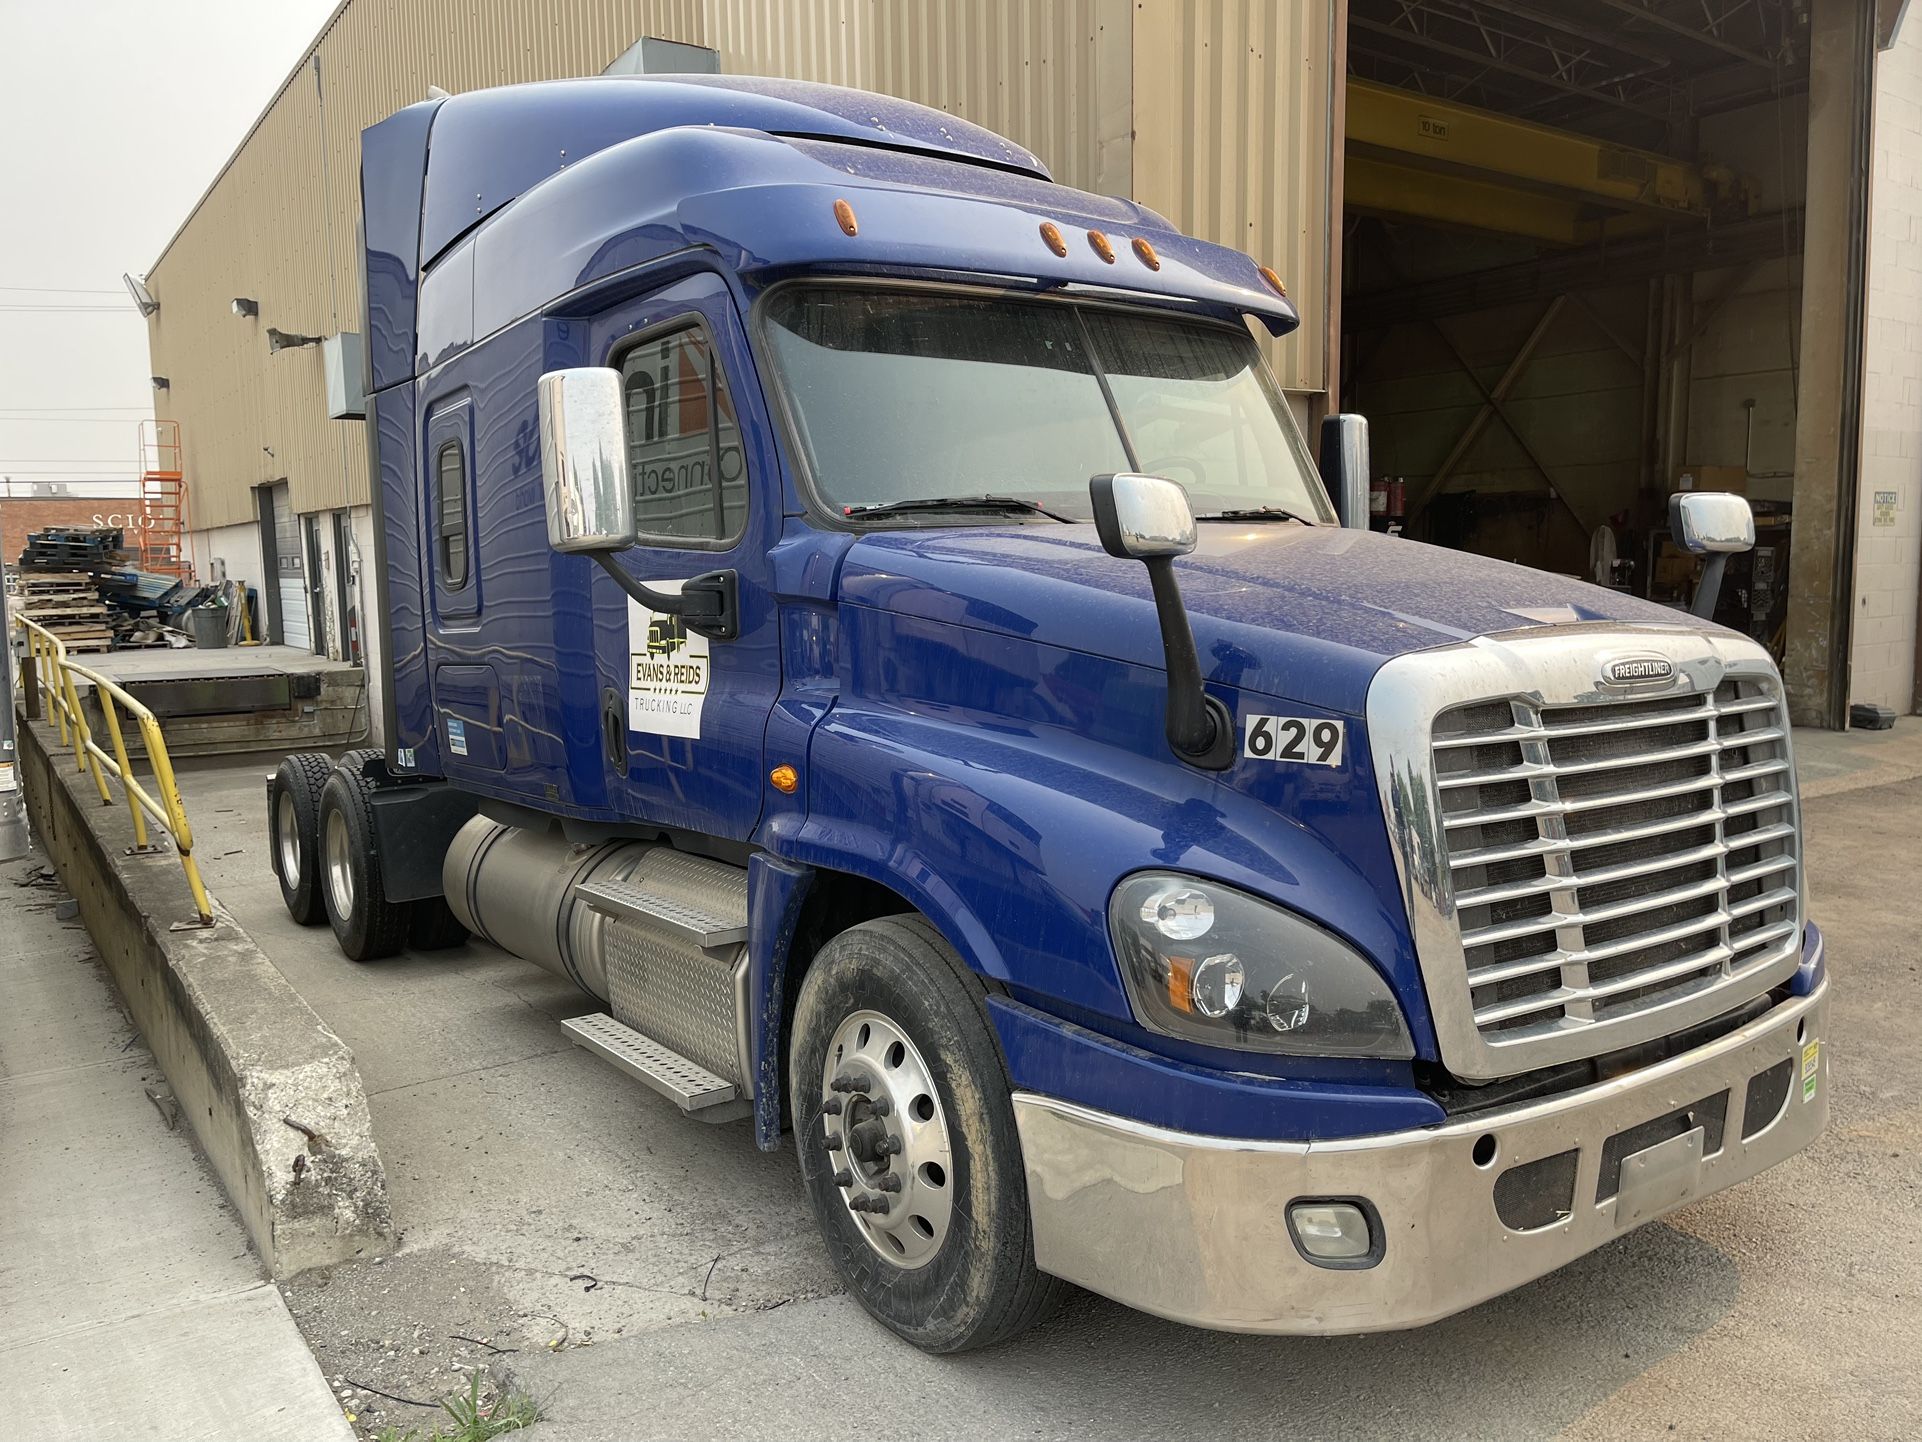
1101, 246
1051, 234
1145, 253
844, 213
1274, 281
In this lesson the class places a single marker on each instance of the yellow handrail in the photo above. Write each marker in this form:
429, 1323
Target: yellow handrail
55, 673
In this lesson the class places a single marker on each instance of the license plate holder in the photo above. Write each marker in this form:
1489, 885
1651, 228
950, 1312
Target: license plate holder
1659, 1178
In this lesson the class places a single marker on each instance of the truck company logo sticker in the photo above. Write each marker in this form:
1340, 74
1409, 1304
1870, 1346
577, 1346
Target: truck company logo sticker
668, 670
456, 735
1305, 740
1811, 1069
1637, 670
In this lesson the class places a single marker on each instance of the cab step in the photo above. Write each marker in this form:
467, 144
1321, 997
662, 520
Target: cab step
690, 1086
690, 921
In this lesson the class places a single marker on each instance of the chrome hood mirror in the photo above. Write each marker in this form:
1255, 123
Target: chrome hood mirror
584, 470
1716, 524
1711, 522
1148, 519
1141, 517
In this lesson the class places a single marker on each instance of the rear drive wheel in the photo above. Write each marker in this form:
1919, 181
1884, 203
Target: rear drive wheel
907, 1139
366, 924
293, 821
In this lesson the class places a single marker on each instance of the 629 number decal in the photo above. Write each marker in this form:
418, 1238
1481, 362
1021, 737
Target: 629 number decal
1293, 738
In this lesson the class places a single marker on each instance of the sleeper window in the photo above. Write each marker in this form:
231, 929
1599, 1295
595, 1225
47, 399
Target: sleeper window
683, 441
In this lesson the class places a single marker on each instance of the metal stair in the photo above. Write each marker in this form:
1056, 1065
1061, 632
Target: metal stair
691, 1087
688, 920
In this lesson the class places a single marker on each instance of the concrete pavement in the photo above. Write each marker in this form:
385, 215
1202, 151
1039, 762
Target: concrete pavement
130, 1304
543, 1199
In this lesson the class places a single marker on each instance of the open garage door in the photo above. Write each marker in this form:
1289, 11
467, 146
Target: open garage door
1572, 274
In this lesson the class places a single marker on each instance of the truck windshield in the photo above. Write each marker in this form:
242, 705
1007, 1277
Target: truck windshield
904, 396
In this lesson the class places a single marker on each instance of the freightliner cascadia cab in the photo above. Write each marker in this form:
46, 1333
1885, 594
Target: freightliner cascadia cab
864, 613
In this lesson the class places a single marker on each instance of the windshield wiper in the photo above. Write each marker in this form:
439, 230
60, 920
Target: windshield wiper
1257, 513
955, 503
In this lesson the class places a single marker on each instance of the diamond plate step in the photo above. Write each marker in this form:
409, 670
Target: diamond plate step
687, 920
694, 1089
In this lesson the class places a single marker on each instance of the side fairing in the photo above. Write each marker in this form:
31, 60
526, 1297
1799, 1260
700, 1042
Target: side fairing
402, 620
1005, 786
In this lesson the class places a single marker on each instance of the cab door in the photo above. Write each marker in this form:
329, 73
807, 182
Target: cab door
685, 717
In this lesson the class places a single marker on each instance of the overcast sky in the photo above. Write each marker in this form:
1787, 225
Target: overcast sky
114, 116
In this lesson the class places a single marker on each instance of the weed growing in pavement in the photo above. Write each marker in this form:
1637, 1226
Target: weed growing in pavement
510, 1410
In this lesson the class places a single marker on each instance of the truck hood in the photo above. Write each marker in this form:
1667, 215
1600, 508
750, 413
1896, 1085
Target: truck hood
1302, 612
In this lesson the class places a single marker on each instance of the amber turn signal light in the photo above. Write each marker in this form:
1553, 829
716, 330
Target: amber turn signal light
784, 779
844, 213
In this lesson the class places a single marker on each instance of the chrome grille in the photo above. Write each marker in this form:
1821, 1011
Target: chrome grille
1609, 858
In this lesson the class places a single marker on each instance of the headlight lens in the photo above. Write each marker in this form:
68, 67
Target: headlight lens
1211, 964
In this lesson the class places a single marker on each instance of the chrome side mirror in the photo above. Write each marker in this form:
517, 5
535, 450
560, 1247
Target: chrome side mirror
1711, 522
1344, 467
1142, 517
1715, 524
584, 470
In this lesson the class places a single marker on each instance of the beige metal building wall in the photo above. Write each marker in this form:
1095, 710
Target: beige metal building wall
1215, 112
1235, 136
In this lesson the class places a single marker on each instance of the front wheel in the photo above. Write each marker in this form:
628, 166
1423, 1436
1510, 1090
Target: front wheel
907, 1139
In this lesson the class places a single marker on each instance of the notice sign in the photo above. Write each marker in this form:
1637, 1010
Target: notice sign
1884, 508
668, 670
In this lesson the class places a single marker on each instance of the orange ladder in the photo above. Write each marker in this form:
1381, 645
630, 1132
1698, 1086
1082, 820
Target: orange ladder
163, 498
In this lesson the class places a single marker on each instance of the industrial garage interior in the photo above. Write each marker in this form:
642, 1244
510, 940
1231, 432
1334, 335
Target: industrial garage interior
1572, 277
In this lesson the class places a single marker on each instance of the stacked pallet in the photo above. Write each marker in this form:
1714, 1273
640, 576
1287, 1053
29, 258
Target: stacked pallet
68, 604
74, 548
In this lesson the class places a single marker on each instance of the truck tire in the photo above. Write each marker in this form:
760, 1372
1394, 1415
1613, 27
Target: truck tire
293, 830
905, 1129
434, 926
366, 924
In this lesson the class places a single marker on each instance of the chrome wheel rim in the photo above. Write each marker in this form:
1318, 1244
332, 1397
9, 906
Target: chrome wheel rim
287, 838
886, 1139
340, 875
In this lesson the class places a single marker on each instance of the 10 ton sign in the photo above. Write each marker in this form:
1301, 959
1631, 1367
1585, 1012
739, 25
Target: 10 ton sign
1293, 738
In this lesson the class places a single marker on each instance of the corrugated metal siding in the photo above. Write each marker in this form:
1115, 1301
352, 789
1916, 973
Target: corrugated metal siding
1232, 102
1231, 97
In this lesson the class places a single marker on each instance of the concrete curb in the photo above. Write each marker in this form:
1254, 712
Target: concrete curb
245, 1056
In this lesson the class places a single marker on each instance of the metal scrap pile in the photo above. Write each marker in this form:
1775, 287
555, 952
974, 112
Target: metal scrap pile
79, 583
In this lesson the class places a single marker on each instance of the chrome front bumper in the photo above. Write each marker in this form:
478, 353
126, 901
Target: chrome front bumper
1195, 1228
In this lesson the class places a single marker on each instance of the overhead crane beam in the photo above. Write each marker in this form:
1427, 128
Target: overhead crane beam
1399, 131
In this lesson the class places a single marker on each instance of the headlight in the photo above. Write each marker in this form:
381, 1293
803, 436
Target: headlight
1208, 963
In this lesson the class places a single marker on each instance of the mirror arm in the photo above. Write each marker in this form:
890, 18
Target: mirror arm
1710, 587
708, 603
1199, 727
652, 599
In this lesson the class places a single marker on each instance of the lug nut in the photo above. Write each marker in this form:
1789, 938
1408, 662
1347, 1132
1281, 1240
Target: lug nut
888, 1146
844, 1179
881, 1107
889, 1183
831, 1107
832, 1143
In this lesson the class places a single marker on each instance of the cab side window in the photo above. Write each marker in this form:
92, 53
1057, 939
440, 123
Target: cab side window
684, 442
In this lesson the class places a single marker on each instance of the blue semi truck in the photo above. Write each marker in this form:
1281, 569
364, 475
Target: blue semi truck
865, 614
